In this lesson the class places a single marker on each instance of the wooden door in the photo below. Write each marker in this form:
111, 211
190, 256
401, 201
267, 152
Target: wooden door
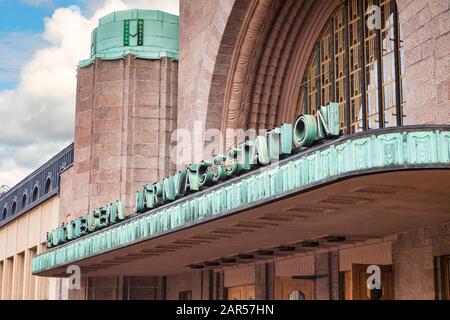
241, 293
445, 277
287, 288
359, 278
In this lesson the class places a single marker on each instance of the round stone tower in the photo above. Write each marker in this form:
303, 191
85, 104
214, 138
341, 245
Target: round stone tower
126, 109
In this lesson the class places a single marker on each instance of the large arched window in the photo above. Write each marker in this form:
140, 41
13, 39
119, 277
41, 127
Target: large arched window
359, 66
4, 213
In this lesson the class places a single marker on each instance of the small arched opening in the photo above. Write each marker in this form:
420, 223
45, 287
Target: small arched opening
35, 193
24, 201
14, 208
48, 185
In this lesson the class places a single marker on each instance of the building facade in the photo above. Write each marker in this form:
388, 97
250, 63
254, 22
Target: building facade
317, 165
29, 210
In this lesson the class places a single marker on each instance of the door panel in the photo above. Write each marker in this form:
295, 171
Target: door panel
241, 293
359, 278
285, 288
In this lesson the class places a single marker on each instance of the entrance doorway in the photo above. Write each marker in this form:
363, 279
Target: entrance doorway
355, 283
287, 288
242, 293
445, 277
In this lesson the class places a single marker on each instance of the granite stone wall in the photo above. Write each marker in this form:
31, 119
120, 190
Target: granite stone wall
125, 114
413, 258
426, 31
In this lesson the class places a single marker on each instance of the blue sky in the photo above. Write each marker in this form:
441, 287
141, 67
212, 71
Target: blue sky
27, 16
21, 28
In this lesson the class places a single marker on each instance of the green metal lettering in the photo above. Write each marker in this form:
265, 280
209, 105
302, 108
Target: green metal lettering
112, 211
305, 131
402, 148
180, 182
245, 156
73, 229
49, 239
260, 151
328, 121
103, 218
149, 198
55, 237
192, 178
158, 193
233, 159
205, 177
169, 188
218, 168
121, 211
84, 226
286, 139
273, 141
140, 199
91, 222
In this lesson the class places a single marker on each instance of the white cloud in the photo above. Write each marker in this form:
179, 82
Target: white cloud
37, 117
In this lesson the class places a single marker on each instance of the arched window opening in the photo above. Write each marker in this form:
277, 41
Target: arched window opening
48, 185
4, 213
359, 66
35, 193
24, 201
13, 208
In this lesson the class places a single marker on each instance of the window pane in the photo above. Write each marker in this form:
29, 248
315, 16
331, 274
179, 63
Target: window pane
368, 56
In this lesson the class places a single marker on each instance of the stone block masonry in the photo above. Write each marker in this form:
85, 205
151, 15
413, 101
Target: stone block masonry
125, 112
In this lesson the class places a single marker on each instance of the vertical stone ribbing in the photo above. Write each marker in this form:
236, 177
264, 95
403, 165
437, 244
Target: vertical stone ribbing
333, 274
265, 281
125, 111
220, 293
321, 286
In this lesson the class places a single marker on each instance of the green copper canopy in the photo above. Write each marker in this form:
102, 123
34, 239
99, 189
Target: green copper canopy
146, 34
370, 152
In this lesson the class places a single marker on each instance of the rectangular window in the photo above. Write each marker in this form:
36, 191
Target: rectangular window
359, 66
126, 33
140, 41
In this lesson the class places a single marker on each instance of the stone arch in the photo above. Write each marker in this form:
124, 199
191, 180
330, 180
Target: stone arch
267, 44
270, 52
35, 194
23, 201
48, 185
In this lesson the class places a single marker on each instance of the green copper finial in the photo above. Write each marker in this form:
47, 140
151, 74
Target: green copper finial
146, 34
